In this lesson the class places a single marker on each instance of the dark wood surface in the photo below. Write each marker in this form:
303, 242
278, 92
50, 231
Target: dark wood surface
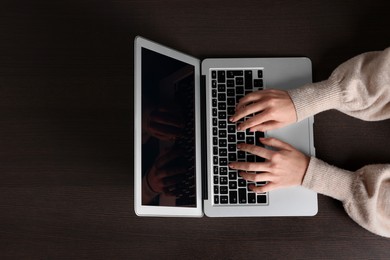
66, 113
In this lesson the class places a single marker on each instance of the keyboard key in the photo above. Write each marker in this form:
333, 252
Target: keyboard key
222, 152
215, 170
223, 180
233, 197
234, 73
241, 155
232, 157
231, 111
223, 189
232, 175
230, 83
260, 73
251, 197
230, 74
240, 81
222, 133
216, 199
215, 122
258, 83
222, 115
221, 105
248, 79
223, 143
215, 150
215, 112
250, 140
230, 92
231, 101
240, 90
231, 147
240, 136
232, 185
221, 97
213, 74
215, 159
261, 199
216, 189
214, 84
223, 170
215, 141
242, 195
214, 93
231, 129
223, 161
214, 102
241, 183
222, 124
221, 76
221, 88
216, 179
224, 199
215, 130
232, 138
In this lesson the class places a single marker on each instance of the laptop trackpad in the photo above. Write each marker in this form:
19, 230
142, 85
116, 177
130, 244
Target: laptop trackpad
296, 135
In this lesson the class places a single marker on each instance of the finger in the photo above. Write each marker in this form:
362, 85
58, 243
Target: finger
276, 143
266, 126
256, 150
264, 188
258, 119
249, 98
257, 177
247, 110
249, 166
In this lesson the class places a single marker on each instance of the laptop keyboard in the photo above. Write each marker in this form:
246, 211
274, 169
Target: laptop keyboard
227, 88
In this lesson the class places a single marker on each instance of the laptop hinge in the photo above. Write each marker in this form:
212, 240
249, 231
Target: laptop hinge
203, 136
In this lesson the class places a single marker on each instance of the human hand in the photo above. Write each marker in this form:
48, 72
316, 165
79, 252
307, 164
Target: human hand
282, 168
272, 108
167, 171
164, 123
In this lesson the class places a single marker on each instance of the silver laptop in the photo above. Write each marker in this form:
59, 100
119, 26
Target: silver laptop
183, 140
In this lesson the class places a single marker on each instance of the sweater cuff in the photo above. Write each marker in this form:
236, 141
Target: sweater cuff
313, 98
328, 180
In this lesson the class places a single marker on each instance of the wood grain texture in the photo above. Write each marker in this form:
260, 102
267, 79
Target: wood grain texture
66, 120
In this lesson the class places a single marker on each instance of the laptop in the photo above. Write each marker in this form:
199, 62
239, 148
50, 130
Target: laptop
183, 140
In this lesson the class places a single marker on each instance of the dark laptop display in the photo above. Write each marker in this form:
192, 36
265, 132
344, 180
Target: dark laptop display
168, 137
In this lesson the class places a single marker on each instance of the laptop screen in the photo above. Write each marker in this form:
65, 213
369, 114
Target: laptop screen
168, 131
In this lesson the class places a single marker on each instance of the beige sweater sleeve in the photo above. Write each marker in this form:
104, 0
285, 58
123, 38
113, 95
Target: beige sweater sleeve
365, 193
360, 88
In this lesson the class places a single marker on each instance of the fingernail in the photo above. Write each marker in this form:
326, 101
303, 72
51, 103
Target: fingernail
239, 146
231, 165
239, 128
231, 119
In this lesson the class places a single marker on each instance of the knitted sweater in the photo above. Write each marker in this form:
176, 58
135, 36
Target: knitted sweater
360, 88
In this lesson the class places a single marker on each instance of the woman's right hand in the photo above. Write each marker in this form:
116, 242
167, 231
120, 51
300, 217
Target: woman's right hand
271, 108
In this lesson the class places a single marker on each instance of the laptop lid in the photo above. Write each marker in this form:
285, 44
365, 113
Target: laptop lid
167, 164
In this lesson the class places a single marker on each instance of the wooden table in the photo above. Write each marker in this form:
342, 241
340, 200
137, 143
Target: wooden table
66, 125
